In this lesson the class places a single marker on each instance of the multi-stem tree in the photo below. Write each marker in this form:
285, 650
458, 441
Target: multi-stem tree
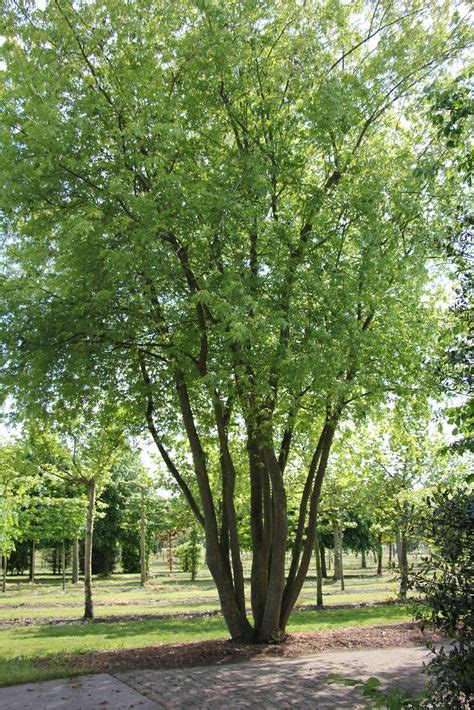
221, 214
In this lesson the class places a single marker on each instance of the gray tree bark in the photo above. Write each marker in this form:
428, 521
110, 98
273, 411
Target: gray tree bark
319, 578
75, 561
142, 541
88, 603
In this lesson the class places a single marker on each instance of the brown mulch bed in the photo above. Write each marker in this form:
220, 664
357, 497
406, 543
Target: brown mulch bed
203, 653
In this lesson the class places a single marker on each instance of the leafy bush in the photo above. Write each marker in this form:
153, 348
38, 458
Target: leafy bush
444, 581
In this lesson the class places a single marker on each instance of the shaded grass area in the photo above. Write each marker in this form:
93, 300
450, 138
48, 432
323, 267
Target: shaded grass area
47, 651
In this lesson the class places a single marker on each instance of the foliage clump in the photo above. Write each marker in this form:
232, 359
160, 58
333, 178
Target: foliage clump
444, 580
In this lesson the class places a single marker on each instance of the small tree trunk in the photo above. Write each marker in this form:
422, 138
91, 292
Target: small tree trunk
63, 562
390, 554
403, 564
170, 552
363, 564
324, 572
142, 541
379, 554
88, 604
319, 578
75, 561
32, 561
337, 551
4, 573
341, 562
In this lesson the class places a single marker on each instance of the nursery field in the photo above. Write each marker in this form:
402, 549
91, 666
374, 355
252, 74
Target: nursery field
170, 593
40, 624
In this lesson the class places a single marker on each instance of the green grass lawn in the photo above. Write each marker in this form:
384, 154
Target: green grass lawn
44, 650
22, 647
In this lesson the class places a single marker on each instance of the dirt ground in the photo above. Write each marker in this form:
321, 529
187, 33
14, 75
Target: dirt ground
216, 652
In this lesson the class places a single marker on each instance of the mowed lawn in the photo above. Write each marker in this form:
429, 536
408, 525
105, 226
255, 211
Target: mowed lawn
32, 652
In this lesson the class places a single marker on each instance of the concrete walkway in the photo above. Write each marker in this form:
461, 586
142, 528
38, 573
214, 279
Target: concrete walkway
267, 683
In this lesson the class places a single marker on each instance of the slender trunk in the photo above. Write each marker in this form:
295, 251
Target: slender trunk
75, 561
229, 516
292, 591
236, 619
379, 554
32, 561
324, 572
341, 561
142, 541
259, 530
403, 564
63, 562
363, 563
170, 552
398, 545
88, 604
319, 577
337, 551
390, 554
4, 573
271, 623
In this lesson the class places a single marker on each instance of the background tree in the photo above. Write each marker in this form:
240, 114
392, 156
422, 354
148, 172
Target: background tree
189, 553
83, 456
10, 503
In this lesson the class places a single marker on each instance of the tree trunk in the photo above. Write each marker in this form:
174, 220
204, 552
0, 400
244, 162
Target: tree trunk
271, 626
63, 562
343, 586
319, 578
379, 555
88, 604
363, 564
324, 572
4, 573
337, 551
170, 552
142, 541
390, 554
32, 561
403, 564
75, 561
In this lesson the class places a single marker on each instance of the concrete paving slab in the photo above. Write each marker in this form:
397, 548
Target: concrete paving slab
268, 683
283, 683
90, 692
